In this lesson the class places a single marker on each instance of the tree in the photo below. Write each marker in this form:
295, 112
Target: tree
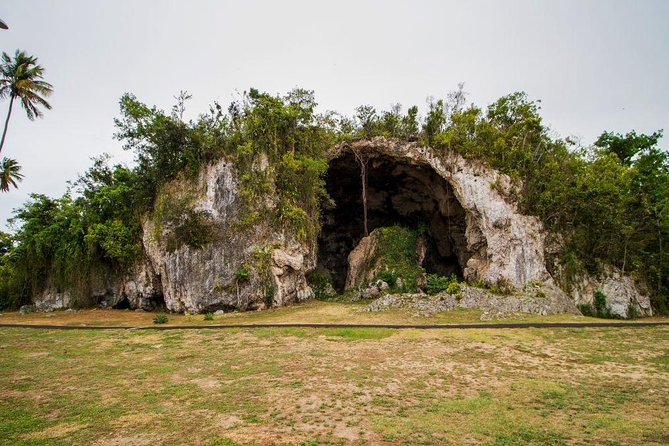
627, 146
22, 80
10, 174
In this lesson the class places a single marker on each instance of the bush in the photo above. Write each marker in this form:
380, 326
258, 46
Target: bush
388, 276
437, 283
398, 258
633, 312
209, 316
160, 318
195, 230
243, 273
502, 286
587, 310
270, 292
600, 305
454, 288
598, 308
320, 281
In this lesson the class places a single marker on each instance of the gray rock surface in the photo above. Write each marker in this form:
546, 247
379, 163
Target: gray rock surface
541, 300
204, 279
622, 293
504, 244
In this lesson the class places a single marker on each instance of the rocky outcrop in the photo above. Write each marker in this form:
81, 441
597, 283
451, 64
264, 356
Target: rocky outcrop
363, 262
538, 300
624, 297
52, 299
137, 288
243, 268
501, 243
473, 220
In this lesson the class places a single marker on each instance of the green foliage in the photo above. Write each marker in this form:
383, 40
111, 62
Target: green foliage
161, 318
502, 286
209, 316
398, 258
598, 308
607, 204
194, 229
22, 79
10, 174
243, 274
454, 288
320, 281
587, 310
599, 303
270, 292
437, 284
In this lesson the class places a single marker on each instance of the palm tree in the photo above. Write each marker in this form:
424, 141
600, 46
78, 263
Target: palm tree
22, 79
10, 173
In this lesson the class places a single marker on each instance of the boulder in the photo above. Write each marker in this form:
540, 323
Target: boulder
624, 297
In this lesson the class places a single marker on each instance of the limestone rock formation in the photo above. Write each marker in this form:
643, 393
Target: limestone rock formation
363, 262
624, 297
474, 229
539, 300
209, 277
465, 203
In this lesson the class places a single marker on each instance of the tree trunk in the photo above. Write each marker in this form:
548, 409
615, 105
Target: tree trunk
9, 113
363, 178
363, 172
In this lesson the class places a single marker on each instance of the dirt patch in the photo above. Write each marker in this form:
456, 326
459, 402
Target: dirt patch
58, 431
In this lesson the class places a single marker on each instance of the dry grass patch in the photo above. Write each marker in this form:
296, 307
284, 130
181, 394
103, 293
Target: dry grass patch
335, 386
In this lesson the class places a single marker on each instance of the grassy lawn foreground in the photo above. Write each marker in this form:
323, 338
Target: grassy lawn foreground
335, 386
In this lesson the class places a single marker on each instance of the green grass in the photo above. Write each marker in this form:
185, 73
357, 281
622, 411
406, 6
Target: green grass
334, 386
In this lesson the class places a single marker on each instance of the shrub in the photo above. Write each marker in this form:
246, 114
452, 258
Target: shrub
437, 283
454, 288
270, 292
587, 310
160, 318
502, 286
633, 312
388, 276
600, 305
320, 281
399, 258
243, 273
209, 316
195, 230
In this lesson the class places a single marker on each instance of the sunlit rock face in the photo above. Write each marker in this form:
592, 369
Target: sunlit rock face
476, 231
624, 297
242, 268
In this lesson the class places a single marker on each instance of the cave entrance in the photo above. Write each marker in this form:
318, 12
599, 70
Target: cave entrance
400, 193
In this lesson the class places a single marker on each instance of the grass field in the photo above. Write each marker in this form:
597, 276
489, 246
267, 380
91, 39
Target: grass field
314, 311
335, 386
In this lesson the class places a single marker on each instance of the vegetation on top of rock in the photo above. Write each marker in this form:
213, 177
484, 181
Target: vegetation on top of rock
397, 258
607, 204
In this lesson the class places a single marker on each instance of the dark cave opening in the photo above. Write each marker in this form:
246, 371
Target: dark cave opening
414, 196
123, 304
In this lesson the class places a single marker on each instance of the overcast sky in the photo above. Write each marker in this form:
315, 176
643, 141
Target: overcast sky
596, 65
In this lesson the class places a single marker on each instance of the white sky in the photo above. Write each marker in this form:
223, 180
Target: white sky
596, 65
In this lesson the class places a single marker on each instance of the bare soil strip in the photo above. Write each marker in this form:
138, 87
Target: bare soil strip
392, 326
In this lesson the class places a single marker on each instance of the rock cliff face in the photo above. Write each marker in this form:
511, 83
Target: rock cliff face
241, 268
475, 231
624, 298
492, 240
